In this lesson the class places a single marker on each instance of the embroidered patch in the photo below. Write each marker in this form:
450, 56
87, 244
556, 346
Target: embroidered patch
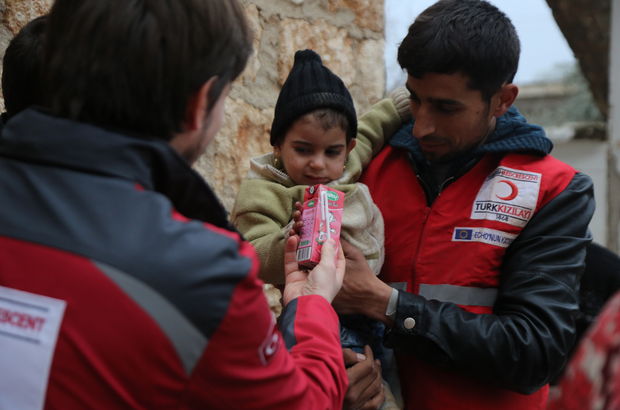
484, 235
269, 347
507, 195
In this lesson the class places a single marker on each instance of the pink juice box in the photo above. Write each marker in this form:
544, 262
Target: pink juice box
322, 216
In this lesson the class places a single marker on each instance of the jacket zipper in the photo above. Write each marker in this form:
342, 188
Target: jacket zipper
427, 212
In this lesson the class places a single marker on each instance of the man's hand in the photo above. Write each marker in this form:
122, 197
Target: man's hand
325, 279
365, 382
362, 292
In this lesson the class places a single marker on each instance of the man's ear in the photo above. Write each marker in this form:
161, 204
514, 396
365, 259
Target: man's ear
504, 99
197, 107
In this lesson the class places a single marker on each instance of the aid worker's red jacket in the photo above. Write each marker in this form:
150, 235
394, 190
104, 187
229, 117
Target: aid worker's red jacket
489, 260
592, 378
162, 311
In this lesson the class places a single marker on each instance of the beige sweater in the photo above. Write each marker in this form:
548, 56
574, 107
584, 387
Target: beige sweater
264, 204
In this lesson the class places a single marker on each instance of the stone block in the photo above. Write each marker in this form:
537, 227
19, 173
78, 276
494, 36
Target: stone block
19, 12
254, 65
332, 43
368, 13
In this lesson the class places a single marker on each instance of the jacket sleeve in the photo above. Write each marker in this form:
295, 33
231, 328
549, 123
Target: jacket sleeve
246, 364
262, 213
590, 378
374, 127
527, 339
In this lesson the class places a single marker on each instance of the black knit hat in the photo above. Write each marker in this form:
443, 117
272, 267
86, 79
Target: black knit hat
309, 86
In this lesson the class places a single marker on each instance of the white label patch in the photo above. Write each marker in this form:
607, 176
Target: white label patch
507, 195
29, 326
484, 235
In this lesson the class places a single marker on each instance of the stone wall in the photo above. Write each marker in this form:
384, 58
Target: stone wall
347, 33
349, 36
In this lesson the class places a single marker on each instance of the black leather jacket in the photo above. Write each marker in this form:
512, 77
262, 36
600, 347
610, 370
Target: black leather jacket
525, 343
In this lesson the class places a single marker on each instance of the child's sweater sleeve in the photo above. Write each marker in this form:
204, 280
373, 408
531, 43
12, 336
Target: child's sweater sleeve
262, 213
374, 128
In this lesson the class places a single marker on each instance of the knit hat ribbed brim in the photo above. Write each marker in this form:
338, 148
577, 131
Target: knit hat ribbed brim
310, 86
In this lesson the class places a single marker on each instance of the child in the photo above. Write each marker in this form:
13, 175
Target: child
314, 134
316, 140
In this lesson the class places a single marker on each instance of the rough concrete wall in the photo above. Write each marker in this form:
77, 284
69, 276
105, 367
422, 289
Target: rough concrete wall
349, 36
14, 14
347, 33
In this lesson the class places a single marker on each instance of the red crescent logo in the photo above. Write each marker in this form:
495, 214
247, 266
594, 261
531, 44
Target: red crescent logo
514, 191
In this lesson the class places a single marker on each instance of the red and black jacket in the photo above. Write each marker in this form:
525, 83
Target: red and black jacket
491, 259
163, 305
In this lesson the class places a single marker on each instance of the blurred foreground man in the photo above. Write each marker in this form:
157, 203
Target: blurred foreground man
121, 283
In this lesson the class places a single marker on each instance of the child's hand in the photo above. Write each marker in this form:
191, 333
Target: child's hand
365, 382
297, 221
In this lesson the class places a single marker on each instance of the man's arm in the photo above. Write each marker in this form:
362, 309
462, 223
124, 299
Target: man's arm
249, 364
525, 342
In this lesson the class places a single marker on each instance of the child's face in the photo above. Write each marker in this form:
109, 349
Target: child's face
312, 155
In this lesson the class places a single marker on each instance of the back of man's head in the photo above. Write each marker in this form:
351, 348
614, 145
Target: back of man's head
472, 37
22, 68
134, 65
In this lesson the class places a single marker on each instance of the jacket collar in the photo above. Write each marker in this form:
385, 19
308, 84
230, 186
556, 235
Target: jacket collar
36, 137
512, 134
262, 167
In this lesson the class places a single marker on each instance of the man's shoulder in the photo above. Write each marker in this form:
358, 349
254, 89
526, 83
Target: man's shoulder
169, 239
545, 164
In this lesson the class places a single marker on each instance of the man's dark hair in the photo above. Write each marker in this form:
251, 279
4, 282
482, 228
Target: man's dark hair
134, 65
471, 37
22, 68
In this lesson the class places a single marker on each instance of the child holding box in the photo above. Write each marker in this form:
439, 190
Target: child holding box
316, 140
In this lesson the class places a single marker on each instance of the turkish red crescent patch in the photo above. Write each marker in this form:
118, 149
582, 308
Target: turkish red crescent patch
269, 346
508, 195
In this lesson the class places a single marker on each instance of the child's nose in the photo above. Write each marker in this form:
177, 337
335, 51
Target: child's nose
317, 162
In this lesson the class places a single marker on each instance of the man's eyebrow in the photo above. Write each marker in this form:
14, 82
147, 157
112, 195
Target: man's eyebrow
445, 101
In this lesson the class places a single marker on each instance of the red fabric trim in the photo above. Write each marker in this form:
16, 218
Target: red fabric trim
109, 351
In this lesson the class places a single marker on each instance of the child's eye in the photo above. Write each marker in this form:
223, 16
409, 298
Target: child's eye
302, 150
333, 152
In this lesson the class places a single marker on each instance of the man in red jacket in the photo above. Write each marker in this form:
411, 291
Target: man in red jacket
122, 284
485, 231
